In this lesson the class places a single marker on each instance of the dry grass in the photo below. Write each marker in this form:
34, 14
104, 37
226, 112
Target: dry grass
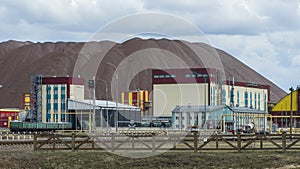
100, 159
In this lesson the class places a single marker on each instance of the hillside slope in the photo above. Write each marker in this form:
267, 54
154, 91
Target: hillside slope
134, 58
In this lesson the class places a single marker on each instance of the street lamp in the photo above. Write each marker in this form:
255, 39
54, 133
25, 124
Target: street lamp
117, 99
91, 84
291, 113
106, 101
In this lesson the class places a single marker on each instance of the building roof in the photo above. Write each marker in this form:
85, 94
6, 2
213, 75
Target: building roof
100, 104
202, 108
246, 110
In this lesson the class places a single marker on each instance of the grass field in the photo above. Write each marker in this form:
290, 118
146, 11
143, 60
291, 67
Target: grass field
100, 159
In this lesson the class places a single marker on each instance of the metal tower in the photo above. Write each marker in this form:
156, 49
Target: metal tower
36, 99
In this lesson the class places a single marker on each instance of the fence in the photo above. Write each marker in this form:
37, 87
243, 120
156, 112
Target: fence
142, 141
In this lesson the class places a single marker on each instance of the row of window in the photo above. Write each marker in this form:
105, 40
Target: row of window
164, 76
248, 99
196, 75
7, 114
55, 107
55, 89
160, 76
63, 100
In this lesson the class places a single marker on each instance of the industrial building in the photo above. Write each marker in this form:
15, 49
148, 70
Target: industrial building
107, 114
61, 99
55, 92
203, 86
7, 115
282, 116
223, 118
138, 98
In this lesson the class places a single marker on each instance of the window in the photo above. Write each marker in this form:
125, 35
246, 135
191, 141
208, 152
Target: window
258, 101
63, 107
55, 107
251, 99
265, 102
255, 106
187, 75
223, 97
246, 99
238, 97
63, 88
195, 118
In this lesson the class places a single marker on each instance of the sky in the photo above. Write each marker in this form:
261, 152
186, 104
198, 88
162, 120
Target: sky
263, 34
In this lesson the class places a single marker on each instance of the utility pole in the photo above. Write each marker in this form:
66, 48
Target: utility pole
117, 97
291, 113
91, 85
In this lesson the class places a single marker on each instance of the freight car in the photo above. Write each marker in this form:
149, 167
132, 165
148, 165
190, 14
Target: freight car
19, 126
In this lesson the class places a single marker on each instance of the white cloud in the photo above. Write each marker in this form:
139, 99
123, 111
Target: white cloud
263, 34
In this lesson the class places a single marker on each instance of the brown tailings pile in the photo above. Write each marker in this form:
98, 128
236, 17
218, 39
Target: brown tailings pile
20, 60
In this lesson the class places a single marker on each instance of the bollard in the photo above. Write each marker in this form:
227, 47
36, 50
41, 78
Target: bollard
18, 136
0, 135
24, 135
284, 141
12, 136
30, 135
239, 142
7, 135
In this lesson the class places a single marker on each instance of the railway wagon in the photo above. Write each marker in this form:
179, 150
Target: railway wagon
19, 126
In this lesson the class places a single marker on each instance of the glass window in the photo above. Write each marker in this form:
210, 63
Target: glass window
63, 107
258, 101
203, 119
251, 99
187, 75
238, 97
223, 97
246, 99
195, 118
48, 106
255, 101
265, 102
55, 107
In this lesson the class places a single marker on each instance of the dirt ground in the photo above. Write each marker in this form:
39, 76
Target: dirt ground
102, 159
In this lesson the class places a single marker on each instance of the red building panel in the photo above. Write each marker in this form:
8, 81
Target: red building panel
174, 76
5, 115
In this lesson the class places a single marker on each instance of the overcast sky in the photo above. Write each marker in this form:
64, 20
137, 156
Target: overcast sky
263, 34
